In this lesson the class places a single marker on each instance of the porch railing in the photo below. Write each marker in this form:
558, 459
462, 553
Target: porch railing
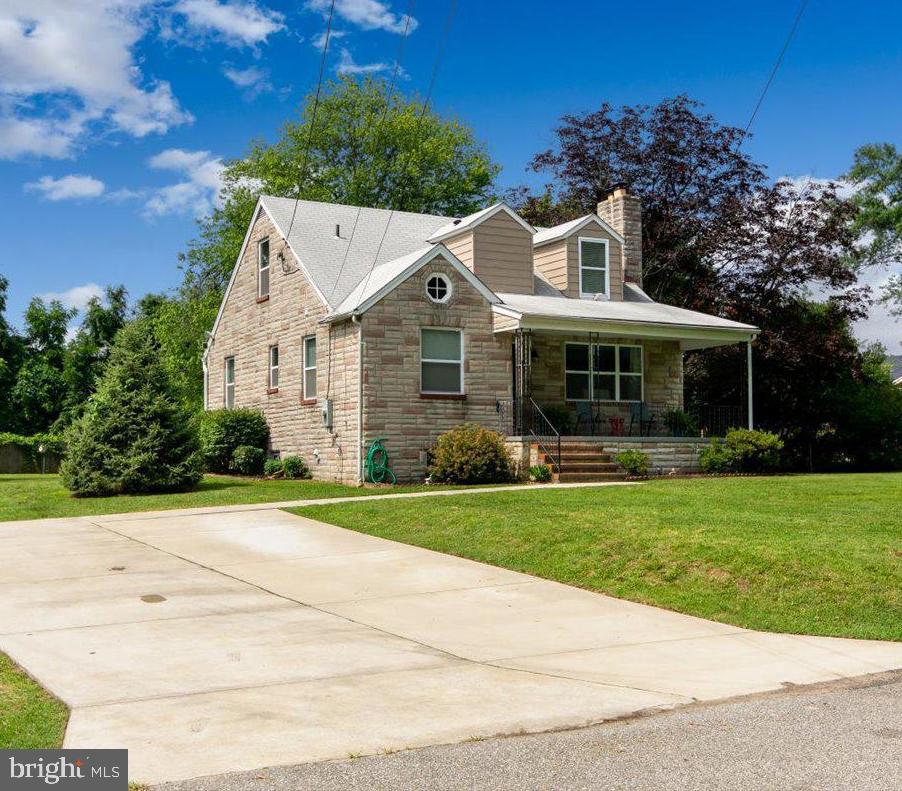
524, 418
615, 418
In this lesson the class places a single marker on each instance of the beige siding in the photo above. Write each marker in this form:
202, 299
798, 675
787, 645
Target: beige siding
499, 252
462, 247
394, 408
504, 255
248, 328
551, 261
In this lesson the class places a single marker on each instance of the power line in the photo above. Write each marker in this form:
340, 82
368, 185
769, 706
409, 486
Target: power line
774, 71
319, 87
438, 59
377, 136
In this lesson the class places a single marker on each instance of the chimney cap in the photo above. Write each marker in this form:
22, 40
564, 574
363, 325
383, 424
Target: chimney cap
617, 186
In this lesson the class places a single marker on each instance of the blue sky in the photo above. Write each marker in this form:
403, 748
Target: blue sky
114, 115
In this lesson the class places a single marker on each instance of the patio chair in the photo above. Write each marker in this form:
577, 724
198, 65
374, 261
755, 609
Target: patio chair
585, 414
641, 414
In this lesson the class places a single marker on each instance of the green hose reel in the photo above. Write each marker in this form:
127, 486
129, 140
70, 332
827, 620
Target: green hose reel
377, 469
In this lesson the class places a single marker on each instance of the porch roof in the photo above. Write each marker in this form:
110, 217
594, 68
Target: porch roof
694, 330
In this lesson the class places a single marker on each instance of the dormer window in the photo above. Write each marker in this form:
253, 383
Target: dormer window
594, 269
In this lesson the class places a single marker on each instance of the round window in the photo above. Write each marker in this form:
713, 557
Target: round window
438, 288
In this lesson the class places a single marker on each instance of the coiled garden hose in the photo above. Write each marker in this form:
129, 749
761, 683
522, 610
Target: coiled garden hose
377, 469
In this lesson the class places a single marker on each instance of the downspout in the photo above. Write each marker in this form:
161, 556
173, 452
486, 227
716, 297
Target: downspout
203, 363
355, 318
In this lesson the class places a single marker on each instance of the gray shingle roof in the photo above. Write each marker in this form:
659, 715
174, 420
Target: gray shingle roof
321, 253
607, 310
895, 365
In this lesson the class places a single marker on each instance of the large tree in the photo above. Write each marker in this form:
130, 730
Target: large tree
40, 390
89, 349
687, 168
134, 436
367, 145
877, 176
12, 350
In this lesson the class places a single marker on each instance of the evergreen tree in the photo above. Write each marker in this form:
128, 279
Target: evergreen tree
134, 436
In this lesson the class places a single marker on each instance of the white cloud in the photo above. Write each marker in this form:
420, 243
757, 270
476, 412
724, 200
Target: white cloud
67, 69
252, 80
320, 41
844, 189
239, 23
76, 297
366, 14
197, 193
67, 187
346, 65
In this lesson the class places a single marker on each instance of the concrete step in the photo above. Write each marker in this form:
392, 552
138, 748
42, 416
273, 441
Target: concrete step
589, 477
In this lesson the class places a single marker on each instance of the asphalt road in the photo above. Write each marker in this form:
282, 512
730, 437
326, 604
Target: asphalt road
846, 735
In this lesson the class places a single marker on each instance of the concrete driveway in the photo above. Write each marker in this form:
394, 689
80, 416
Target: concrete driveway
221, 641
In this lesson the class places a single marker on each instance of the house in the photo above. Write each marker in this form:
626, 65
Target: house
895, 368
346, 324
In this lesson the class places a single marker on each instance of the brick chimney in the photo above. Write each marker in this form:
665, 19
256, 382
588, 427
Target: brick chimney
623, 212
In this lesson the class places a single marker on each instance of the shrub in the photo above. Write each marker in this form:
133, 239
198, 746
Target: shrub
635, 462
133, 437
541, 473
272, 467
471, 454
248, 460
295, 467
224, 430
742, 450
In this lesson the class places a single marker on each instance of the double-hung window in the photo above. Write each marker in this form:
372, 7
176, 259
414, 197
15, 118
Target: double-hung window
228, 380
273, 381
310, 367
441, 362
594, 271
602, 372
263, 269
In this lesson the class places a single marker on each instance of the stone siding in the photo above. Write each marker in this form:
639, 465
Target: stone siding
249, 327
680, 455
662, 364
394, 407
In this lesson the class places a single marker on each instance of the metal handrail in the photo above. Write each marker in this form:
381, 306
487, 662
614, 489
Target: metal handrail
555, 457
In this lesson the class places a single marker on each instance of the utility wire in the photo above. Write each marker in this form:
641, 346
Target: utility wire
319, 87
774, 71
376, 137
438, 59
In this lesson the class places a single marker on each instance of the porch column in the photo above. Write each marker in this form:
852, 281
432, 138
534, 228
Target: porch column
748, 363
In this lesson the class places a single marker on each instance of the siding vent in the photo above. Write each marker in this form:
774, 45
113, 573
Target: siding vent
337, 231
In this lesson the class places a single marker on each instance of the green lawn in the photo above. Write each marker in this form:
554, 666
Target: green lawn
819, 554
42, 496
30, 718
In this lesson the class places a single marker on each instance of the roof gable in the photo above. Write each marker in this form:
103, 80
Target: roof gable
566, 229
471, 221
385, 278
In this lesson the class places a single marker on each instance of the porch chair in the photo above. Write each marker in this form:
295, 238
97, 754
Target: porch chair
585, 413
641, 414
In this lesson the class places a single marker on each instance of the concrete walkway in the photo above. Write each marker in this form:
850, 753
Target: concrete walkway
215, 642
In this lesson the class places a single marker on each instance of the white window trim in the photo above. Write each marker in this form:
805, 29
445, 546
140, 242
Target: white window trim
225, 382
607, 267
616, 372
460, 362
269, 381
448, 286
261, 268
307, 367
